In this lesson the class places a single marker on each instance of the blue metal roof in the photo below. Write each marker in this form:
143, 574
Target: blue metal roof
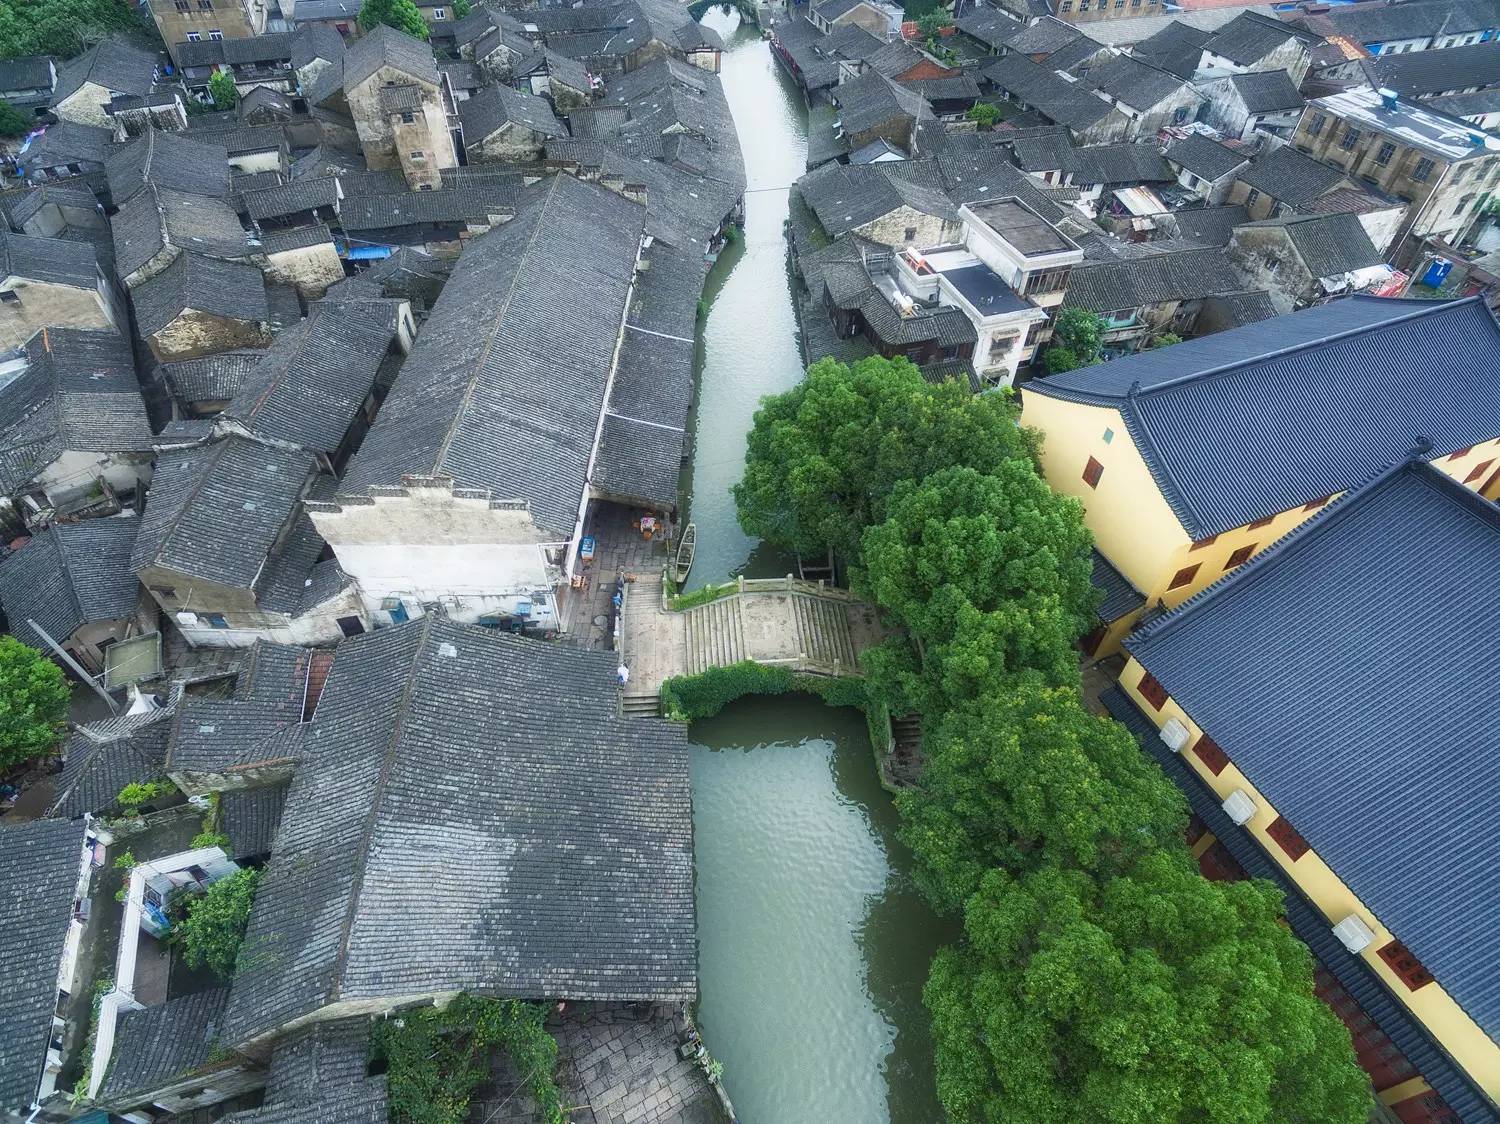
1348, 672
1461, 1093
1246, 423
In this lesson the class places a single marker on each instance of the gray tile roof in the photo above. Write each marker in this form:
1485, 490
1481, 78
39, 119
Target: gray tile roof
1127, 163
115, 64
1382, 815
159, 217
1457, 1088
1118, 597
491, 109
640, 451
39, 865
990, 26
78, 393
211, 378
1267, 92
1291, 176
476, 201
1045, 36
251, 817
173, 160
27, 72
318, 1074
558, 864
1302, 405
1209, 225
1250, 36
267, 47
215, 512
315, 377
1136, 83
234, 290
1413, 19
873, 100
1074, 104
261, 723
1238, 309
1205, 157
101, 758
1329, 245
157, 1045
1468, 105
1431, 72
70, 575
237, 138
290, 198
66, 142
1182, 275
385, 46
297, 238
54, 260
505, 385
1177, 48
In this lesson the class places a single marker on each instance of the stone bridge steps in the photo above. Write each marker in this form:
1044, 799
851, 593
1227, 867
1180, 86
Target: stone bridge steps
823, 632
715, 635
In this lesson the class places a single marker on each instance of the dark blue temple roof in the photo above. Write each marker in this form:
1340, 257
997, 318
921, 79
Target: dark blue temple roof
1257, 420
1348, 672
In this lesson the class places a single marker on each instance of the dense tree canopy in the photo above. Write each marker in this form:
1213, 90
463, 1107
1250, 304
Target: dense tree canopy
1031, 779
61, 27
214, 925
403, 15
225, 93
824, 457
1154, 998
33, 703
1077, 339
13, 123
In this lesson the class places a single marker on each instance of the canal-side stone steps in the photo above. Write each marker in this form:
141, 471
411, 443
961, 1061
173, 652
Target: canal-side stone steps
715, 635
905, 765
640, 706
823, 631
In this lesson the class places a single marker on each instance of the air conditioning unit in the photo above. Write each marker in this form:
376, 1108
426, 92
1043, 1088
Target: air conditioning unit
1175, 735
1355, 935
1239, 807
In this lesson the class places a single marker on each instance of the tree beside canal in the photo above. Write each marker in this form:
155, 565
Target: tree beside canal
1102, 978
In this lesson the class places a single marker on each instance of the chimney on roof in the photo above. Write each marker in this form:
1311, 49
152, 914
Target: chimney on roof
1387, 97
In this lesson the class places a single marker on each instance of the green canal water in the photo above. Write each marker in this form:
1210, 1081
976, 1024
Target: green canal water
813, 944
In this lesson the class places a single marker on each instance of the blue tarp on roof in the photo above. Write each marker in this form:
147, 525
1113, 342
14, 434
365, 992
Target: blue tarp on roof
1348, 672
1257, 420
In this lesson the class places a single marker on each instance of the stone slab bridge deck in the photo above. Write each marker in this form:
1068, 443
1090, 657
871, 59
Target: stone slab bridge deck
804, 626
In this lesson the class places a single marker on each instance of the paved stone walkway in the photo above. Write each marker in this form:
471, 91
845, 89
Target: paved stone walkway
619, 549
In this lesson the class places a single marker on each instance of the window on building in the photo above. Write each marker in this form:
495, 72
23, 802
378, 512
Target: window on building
1109, 435
1048, 281
205, 5
1478, 471
215, 620
1067, 5
1287, 838
1384, 153
1085, 5
418, 156
1266, 522
1350, 138
182, 5
910, 234
1152, 691
1092, 473
1240, 556
1459, 173
1400, 960
1207, 750
10, 296
1184, 576
1250, 200
1423, 171
1135, 3
215, 34
439, 14
1463, 204
1458, 454
193, 36
407, 117
1204, 542
1119, 4
1315, 126
1313, 505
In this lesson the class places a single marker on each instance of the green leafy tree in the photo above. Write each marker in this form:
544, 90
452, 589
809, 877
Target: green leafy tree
824, 456
461, 8
214, 925
14, 123
1166, 339
1030, 779
985, 114
1154, 998
62, 27
222, 89
33, 703
1078, 338
931, 25
403, 15
136, 793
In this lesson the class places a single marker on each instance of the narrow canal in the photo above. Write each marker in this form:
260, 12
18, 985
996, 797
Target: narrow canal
813, 944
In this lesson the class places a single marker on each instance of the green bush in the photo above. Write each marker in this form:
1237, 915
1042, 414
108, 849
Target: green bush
687, 698
33, 703
702, 595
134, 794
210, 933
436, 1058
211, 839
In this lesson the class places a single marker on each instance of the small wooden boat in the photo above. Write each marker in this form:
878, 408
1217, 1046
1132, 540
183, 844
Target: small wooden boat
686, 548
